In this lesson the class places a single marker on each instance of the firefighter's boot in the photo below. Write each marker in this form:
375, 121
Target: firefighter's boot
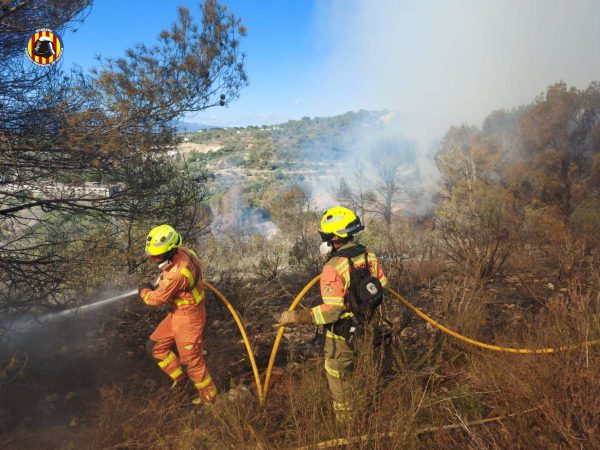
207, 391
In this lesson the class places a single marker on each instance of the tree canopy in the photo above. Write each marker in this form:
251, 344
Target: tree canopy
84, 157
529, 172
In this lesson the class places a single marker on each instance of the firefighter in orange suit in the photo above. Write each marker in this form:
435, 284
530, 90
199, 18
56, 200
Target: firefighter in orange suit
338, 227
180, 286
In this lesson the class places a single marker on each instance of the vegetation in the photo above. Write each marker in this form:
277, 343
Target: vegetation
528, 174
113, 127
387, 179
507, 252
384, 174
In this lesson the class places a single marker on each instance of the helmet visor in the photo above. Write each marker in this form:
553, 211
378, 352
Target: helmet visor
353, 227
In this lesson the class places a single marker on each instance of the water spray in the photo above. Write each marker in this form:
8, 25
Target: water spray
28, 324
77, 309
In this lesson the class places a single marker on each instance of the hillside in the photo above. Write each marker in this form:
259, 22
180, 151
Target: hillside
508, 255
245, 165
174, 286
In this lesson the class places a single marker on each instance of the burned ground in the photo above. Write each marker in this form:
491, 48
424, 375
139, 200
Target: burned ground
89, 382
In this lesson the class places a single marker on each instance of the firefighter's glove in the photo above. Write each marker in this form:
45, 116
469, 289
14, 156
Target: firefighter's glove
289, 317
144, 286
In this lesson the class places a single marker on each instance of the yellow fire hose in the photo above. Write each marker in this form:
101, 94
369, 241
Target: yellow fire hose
280, 331
425, 317
244, 337
263, 390
497, 348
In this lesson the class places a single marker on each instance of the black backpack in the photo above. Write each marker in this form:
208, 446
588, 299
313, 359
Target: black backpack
362, 299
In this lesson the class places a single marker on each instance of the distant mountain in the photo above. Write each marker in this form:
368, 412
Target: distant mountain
187, 127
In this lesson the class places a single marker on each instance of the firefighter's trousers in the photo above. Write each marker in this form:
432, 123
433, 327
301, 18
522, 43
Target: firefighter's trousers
339, 360
183, 327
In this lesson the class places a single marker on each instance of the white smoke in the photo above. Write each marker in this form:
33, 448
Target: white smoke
447, 62
355, 154
233, 215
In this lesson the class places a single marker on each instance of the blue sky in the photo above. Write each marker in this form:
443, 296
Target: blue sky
281, 52
436, 62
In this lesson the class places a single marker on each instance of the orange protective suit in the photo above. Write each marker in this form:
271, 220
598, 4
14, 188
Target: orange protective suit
181, 287
339, 357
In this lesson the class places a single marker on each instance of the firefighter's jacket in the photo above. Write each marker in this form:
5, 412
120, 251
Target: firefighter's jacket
180, 284
335, 284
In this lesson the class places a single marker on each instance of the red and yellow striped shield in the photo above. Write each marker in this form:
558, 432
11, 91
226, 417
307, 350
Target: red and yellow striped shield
44, 47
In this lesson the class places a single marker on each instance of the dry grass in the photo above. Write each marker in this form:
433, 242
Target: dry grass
158, 419
549, 401
559, 393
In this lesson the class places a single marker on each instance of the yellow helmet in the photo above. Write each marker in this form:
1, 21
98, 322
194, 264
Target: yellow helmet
339, 221
162, 239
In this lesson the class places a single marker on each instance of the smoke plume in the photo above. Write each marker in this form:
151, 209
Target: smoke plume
447, 62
